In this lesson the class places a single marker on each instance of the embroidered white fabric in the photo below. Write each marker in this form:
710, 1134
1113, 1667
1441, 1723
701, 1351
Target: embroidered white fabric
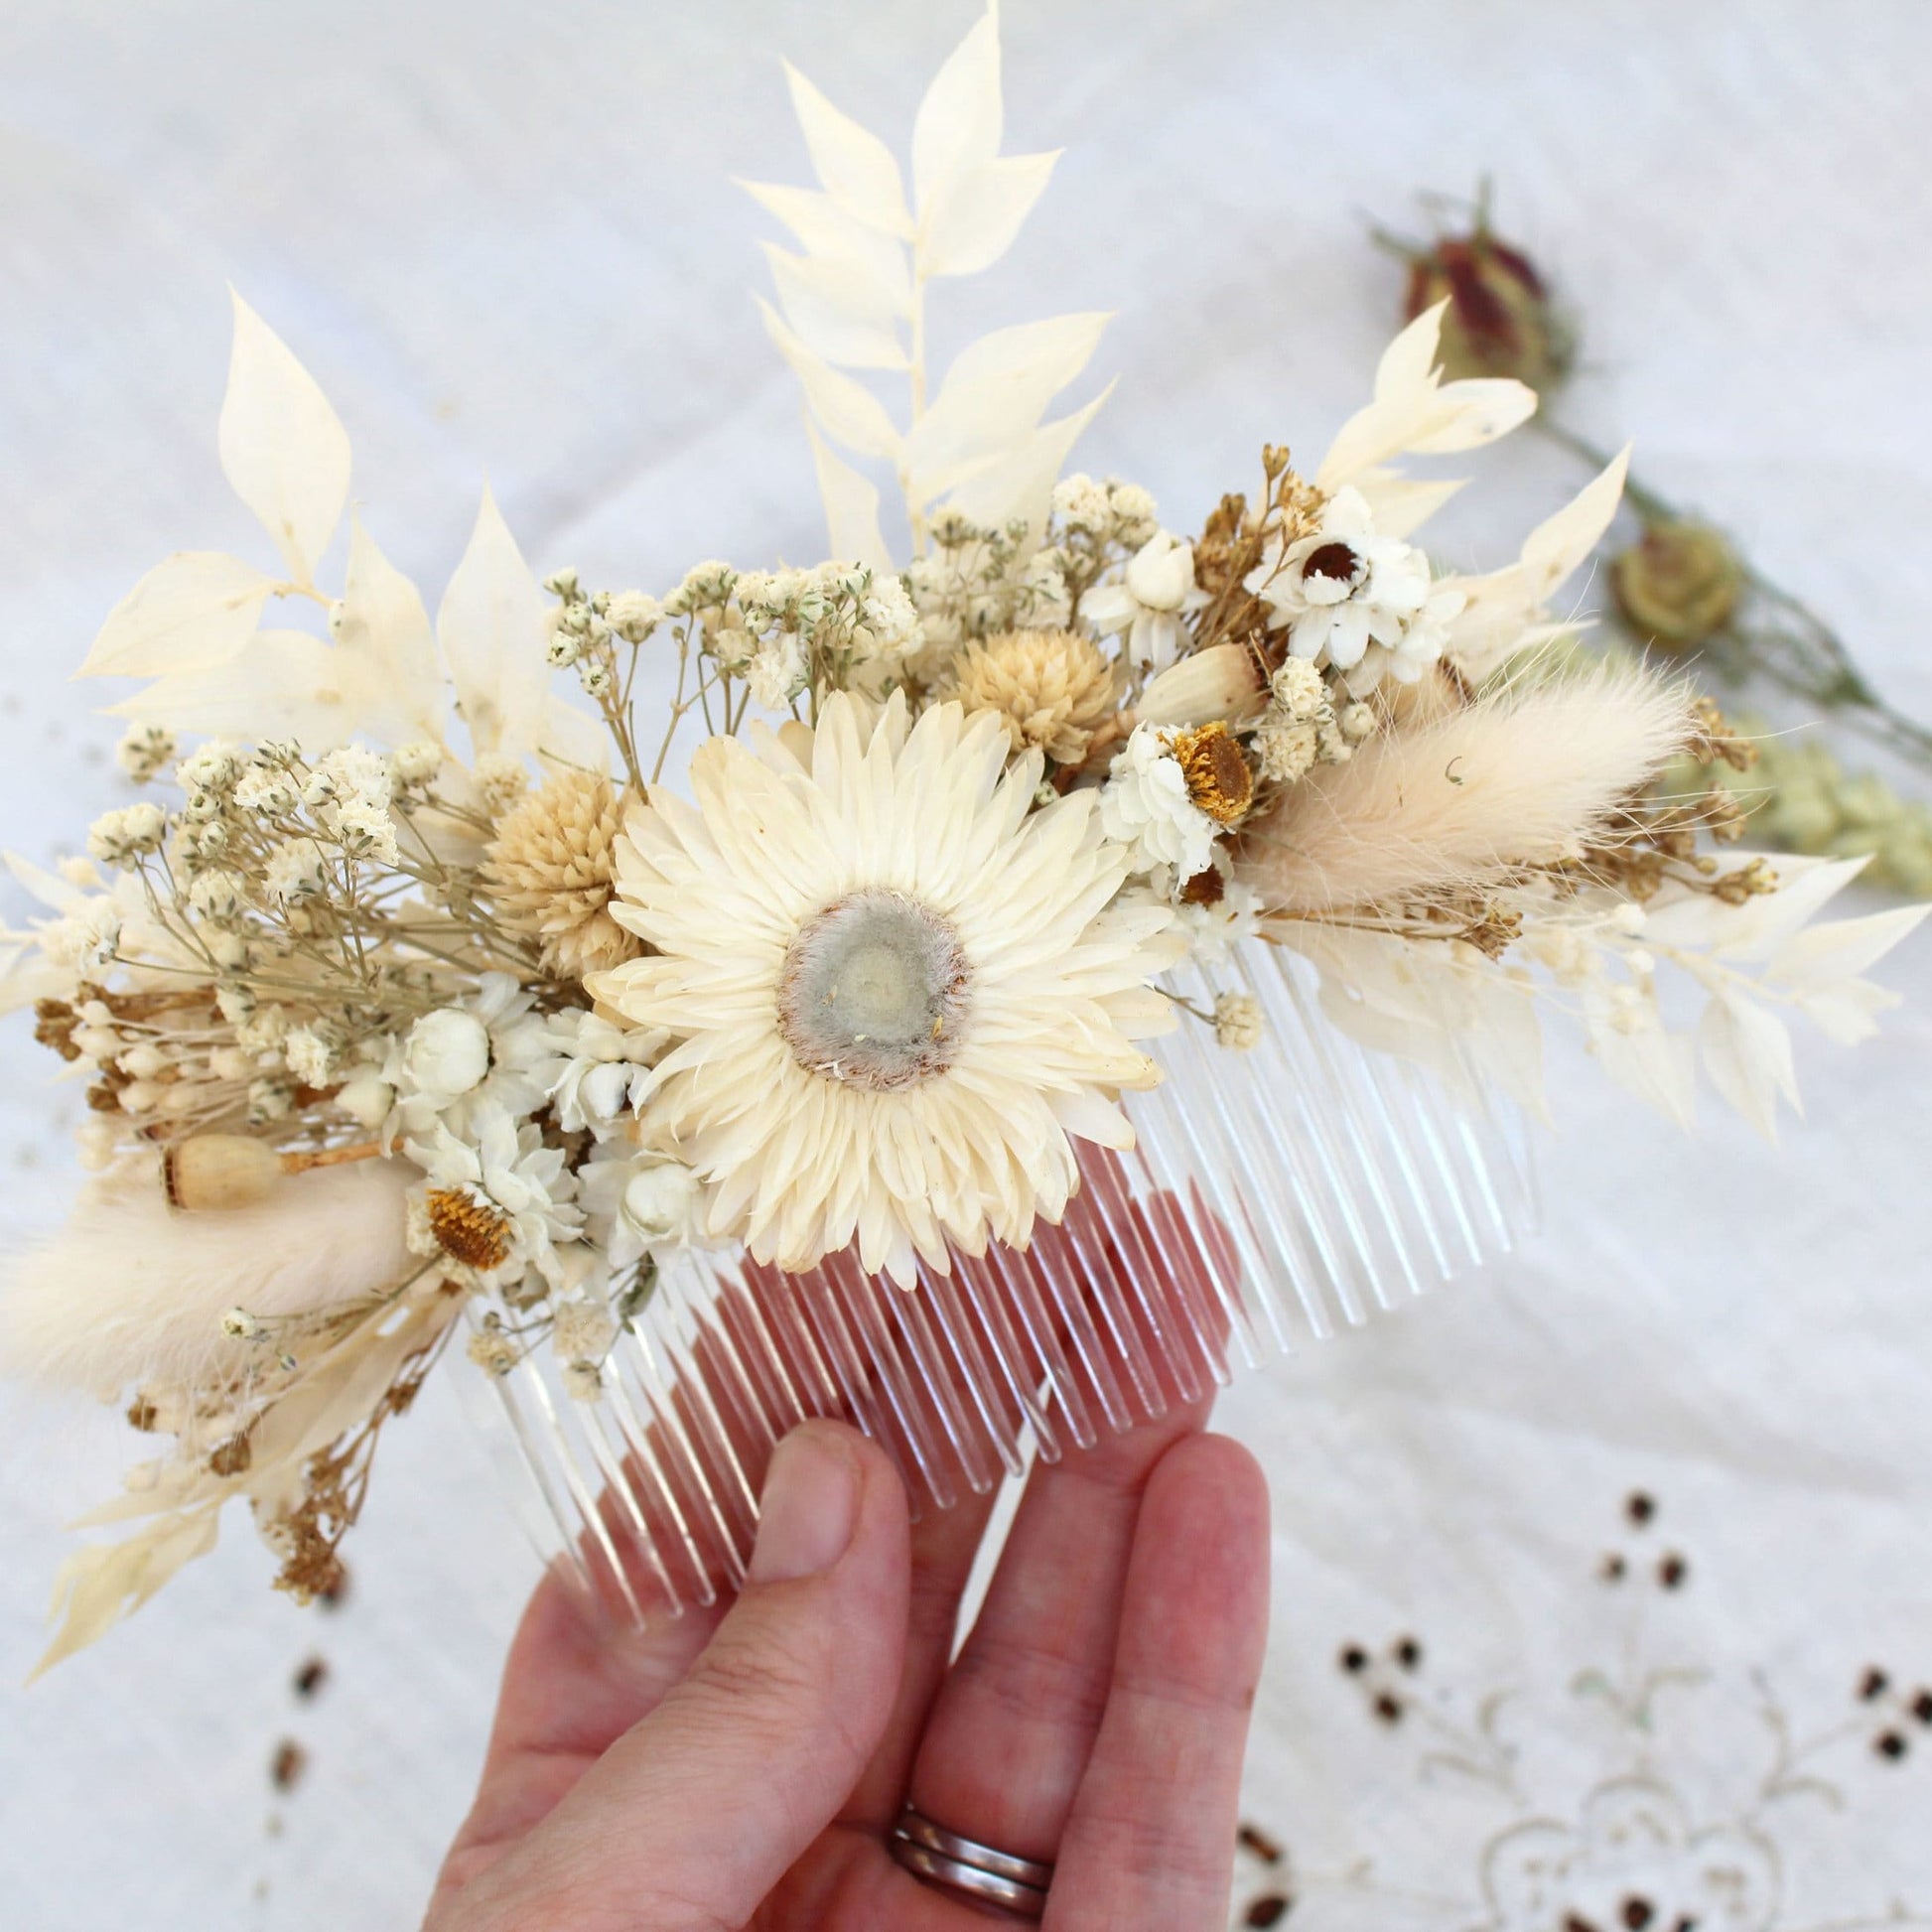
503, 239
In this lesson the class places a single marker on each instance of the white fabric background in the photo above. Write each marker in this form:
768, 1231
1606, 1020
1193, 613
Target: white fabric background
502, 238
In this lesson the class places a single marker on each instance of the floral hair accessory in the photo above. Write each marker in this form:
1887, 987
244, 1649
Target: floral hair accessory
886, 917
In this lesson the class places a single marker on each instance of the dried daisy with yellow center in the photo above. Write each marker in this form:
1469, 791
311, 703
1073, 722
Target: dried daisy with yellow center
872, 992
472, 1231
1052, 689
551, 871
1220, 778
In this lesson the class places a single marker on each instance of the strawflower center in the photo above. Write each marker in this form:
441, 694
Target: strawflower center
874, 992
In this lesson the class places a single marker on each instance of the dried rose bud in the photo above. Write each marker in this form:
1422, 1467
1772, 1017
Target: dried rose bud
1500, 320
1678, 584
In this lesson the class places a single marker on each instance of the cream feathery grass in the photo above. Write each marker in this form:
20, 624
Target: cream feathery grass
900, 993
130, 1290
1451, 803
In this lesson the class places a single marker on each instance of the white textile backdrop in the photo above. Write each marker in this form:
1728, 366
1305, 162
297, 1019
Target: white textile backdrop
1615, 1536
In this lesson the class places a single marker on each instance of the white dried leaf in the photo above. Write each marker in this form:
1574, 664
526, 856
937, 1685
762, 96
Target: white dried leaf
827, 233
195, 610
383, 623
98, 1587
1746, 1051
490, 626
994, 395
1018, 483
1416, 413
974, 221
836, 314
284, 450
851, 508
1656, 1065
1401, 504
847, 410
959, 120
855, 168
1841, 949
283, 684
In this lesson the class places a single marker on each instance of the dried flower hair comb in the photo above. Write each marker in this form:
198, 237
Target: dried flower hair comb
821, 1080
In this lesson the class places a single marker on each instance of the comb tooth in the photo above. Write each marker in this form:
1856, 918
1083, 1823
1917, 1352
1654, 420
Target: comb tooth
906, 1402
973, 1434
1050, 1266
1107, 1288
1018, 1284
1028, 1367
976, 1373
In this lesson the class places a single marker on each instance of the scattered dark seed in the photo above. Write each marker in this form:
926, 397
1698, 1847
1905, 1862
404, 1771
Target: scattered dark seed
1672, 1571
1353, 1659
1253, 1839
1388, 1708
311, 1677
1408, 1653
1269, 1910
1637, 1912
285, 1770
1641, 1507
1891, 1744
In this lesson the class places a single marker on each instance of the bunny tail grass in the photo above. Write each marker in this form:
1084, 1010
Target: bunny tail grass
131, 1290
1452, 803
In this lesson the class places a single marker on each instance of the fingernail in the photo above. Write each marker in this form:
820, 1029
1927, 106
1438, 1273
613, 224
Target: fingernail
809, 1508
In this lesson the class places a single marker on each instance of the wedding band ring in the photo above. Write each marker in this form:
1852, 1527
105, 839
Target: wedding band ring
944, 1857
949, 1844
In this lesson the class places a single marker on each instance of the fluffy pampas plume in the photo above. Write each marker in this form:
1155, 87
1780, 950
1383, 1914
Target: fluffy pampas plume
133, 1289
1451, 802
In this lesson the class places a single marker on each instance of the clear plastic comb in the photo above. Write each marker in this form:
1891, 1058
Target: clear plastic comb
1273, 1195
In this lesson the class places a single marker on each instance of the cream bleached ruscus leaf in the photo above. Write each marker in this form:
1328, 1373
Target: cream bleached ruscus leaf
1505, 609
851, 325
1416, 413
490, 625
283, 447
995, 393
851, 500
855, 167
198, 609
864, 271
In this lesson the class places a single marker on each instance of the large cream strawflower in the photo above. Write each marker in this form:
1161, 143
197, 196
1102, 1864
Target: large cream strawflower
900, 993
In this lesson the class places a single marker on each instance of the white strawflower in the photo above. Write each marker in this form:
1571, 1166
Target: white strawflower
1355, 722
1238, 1021
489, 1051
640, 1203
367, 1097
1357, 599
1144, 807
121, 837
929, 996
1150, 604
525, 1188
87, 937
447, 1054
599, 1070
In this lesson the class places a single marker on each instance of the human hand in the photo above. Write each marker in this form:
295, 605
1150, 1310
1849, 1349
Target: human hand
746, 1770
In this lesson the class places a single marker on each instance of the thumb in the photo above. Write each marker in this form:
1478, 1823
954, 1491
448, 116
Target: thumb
694, 1815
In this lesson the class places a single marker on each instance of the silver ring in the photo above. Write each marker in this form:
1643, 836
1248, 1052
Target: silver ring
932, 1853
949, 1844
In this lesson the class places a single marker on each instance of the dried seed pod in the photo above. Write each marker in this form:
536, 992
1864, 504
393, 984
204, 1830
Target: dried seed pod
223, 1171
